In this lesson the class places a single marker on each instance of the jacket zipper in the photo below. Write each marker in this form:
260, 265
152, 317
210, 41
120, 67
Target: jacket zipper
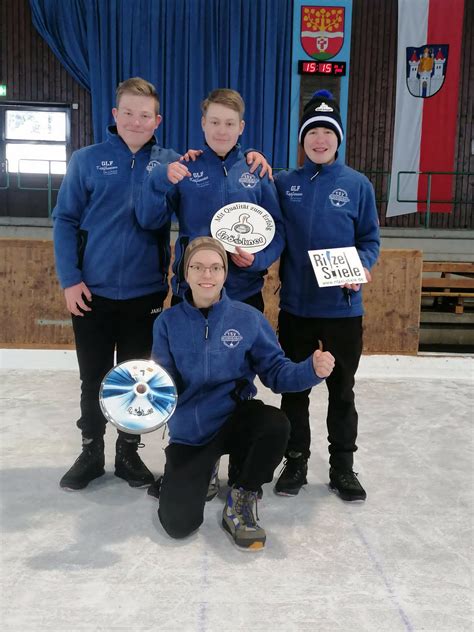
206, 371
132, 165
318, 169
225, 198
346, 291
313, 204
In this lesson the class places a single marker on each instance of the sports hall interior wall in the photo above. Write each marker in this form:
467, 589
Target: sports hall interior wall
33, 74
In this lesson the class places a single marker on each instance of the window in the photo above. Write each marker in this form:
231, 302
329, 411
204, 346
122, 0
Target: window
36, 138
35, 158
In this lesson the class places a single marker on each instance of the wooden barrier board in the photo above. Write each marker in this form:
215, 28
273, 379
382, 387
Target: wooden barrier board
393, 303
34, 315
33, 310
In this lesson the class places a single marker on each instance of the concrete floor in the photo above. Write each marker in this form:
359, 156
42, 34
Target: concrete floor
98, 560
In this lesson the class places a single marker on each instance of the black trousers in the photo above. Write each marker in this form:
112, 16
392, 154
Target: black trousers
121, 326
255, 436
299, 337
256, 300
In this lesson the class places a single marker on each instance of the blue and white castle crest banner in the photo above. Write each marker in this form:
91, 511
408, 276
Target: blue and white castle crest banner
428, 70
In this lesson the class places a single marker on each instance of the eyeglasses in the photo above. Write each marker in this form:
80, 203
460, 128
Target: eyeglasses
214, 270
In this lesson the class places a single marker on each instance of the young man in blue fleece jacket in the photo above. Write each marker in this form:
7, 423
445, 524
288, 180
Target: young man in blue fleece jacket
219, 176
213, 348
325, 204
114, 273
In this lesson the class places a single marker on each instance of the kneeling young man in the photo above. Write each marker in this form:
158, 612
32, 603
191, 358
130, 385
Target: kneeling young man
213, 348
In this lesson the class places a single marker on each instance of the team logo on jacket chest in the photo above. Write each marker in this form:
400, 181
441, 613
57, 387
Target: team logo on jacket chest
107, 168
231, 338
248, 180
199, 179
339, 197
294, 193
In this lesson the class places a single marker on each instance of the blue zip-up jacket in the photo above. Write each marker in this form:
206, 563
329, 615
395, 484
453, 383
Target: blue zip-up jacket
214, 183
316, 219
97, 238
214, 361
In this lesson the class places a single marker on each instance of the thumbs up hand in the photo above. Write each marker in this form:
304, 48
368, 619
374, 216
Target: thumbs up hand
323, 362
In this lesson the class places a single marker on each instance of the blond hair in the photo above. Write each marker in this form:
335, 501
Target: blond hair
138, 87
226, 97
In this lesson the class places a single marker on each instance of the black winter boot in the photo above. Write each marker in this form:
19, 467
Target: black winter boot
346, 484
88, 465
155, 488
293, 475
129, 466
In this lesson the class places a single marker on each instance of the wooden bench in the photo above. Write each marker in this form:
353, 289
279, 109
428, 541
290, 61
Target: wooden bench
455, 282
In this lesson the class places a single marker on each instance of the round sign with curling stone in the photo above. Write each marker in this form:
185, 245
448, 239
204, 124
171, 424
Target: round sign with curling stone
138, 396
243, 224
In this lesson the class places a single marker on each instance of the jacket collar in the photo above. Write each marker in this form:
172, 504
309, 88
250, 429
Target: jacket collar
214, 311
310, 168
113, 137
229, 159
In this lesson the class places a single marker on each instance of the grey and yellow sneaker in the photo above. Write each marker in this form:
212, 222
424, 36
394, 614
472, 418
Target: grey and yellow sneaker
239, 518
213, 488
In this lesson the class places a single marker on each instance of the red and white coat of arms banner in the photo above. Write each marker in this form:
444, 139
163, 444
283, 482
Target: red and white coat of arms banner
322, 31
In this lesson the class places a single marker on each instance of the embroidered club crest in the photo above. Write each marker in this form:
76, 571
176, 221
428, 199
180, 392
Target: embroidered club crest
324, 107
322, 31
231, 338
248, 180
151, 165
426, 69
339, 197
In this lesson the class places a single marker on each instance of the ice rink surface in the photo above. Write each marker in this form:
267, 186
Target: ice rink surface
98, 559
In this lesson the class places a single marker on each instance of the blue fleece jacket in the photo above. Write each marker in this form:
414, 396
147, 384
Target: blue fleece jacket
214, 183
97, 239
214, 361
333, 209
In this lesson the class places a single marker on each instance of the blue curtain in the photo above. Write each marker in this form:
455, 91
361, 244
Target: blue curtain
186, 48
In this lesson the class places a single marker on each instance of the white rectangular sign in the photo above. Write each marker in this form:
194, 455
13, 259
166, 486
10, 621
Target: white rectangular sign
337, 266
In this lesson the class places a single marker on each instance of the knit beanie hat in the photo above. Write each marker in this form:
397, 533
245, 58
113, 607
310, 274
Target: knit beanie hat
204, 243
321, 111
